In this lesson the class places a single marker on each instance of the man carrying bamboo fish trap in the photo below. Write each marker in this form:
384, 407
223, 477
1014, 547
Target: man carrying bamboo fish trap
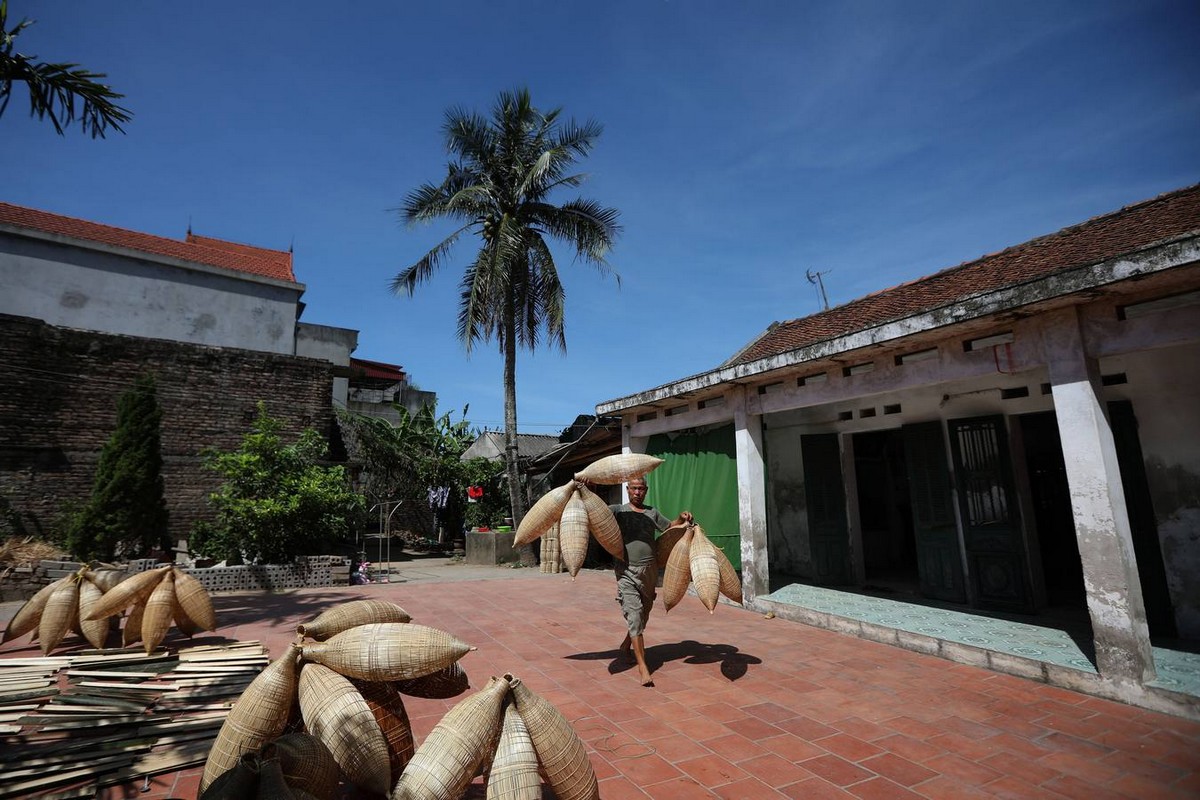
627, 531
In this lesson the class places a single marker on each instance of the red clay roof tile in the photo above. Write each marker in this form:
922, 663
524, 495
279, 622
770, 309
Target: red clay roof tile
199, 249
1132, 228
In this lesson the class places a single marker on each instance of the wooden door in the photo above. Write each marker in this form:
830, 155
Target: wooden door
825, 495
991, 522
939, 554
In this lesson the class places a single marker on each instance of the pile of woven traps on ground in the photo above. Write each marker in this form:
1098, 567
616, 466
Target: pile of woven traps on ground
72, 725
352, 730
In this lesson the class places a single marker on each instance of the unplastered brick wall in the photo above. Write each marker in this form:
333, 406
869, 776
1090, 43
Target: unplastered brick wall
21, 583
58, 406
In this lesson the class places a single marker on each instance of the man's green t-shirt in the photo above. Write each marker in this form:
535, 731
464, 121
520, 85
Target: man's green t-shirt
638, 529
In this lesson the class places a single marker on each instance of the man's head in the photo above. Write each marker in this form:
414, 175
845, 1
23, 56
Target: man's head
637, 491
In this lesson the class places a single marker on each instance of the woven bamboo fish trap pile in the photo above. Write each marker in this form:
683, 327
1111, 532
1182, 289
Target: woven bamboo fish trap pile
90, 599
73, 725
688, 557
566, 516
346, 691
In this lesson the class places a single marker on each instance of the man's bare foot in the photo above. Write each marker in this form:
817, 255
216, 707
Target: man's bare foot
647, 680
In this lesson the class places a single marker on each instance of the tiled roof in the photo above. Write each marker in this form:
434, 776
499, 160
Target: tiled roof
376, 370
1130, 229
199, 249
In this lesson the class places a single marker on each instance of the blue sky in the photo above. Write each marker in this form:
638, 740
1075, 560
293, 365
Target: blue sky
744, 143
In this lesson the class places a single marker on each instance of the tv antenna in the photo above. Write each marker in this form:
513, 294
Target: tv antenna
815, 279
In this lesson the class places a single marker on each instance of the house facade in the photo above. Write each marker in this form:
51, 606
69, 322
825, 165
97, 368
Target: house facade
1016, 434
86, 308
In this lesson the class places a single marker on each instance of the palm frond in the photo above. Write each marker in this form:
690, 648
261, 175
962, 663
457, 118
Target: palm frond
407, 281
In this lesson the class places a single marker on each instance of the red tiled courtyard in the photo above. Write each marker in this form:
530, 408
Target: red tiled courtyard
749, 707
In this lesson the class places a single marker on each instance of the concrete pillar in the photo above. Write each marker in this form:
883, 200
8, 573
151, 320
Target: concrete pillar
1110, 575
752, 497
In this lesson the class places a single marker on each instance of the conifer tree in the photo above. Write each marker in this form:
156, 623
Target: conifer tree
126, 514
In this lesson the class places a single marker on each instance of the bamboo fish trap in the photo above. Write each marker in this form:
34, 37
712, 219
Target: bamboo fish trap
545, 512
665, 543
706, 573
335, 712
387, 706
602, 523
307, 763
193, 601
133, 589
731, 584
349, 615
448, 682
95, 631
60, 614
160, 608
573, 535
560, 751
550, 553
387, 651
620, 468
678, 573
514, 774
450, 756
259, 715
29, 615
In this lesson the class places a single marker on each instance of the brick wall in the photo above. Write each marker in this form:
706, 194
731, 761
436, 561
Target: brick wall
58, 398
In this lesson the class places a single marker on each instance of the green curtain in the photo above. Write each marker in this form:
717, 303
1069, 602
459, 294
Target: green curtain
699, 474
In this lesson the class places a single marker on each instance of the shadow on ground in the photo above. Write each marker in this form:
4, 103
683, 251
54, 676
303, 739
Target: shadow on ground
734, 663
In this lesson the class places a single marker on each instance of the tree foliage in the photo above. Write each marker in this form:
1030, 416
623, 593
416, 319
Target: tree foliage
278, 501
60, 92
420, 453
498, 187
126, 514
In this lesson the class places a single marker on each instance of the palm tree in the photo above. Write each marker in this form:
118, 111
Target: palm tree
498, 186
54, 89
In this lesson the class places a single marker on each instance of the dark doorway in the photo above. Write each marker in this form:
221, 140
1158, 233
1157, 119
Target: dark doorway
885, 512
1052, 510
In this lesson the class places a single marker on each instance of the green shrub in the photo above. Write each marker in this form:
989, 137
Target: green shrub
278, 501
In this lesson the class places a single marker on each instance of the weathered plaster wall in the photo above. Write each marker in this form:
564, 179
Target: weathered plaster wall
331, 344
788, 548
1164, 386
58, 395
118, 293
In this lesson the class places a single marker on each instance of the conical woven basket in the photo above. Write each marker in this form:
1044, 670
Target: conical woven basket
448, 682
59, 615
387, 651
450, 756
345, 616
127, 592
560, 751
545, 512
706, 574
678, 573
573, 535
105, 578
132, 632
28, 616
387, 705
192, 597
307, 764
514, 774
96, 630
160, 610
182, 621
665, 543
731, 584
237, 783
337, 714
259, 715
602, 524
271, 783
620, 468
549, 553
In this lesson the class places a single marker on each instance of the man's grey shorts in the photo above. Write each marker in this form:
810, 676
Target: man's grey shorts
636, 585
